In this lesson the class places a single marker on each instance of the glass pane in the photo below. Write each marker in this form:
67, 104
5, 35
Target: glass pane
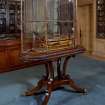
48, 25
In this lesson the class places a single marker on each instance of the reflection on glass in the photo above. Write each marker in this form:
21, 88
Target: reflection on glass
48, 25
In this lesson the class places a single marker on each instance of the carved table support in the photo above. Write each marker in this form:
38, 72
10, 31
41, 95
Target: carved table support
52, 82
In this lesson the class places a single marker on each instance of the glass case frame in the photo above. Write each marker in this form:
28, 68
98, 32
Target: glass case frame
59, 31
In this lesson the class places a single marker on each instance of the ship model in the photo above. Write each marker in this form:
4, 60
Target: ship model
47, 26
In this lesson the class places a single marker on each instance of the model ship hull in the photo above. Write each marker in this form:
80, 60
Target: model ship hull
49, 26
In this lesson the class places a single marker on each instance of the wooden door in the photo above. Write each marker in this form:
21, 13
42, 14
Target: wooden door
84, 23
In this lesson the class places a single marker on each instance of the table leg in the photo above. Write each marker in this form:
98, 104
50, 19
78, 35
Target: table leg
34, 89
46, 81
48, 93
71, 83
52, 82
41, 82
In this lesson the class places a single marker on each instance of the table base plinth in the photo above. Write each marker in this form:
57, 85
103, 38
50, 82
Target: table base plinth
51, 82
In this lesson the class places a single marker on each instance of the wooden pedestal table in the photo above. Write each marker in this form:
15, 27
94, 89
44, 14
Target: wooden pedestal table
49, 80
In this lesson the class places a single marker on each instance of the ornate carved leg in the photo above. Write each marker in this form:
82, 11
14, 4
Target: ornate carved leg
49, 83
65, 65
47, 71
51, 70
59, 73
48, 93
34, 89
73, 85
46, 99
67, 77
40, 84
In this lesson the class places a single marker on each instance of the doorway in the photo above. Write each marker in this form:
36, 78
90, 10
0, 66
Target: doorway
85, 18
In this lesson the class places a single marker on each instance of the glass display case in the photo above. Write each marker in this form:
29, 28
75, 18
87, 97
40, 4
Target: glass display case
48, 34
47, 26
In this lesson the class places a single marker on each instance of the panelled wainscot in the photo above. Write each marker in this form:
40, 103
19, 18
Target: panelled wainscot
10, 56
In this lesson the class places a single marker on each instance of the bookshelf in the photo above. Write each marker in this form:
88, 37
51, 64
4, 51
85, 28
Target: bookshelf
100, 19
9, 16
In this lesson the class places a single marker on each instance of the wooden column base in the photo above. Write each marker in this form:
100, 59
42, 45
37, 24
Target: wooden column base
52, 82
